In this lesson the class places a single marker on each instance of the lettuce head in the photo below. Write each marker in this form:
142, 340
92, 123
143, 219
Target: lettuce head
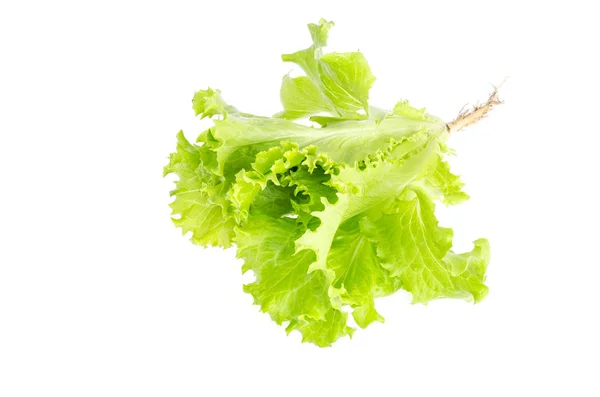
329, 216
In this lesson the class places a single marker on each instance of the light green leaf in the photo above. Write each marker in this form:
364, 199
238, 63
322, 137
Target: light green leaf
340, 81
415, 249
366, 314
403, 109
354, 260
347, 79
208, 103
444, 183
198, 207
283, 286
344, 142
322, 332
300, 98
308, 58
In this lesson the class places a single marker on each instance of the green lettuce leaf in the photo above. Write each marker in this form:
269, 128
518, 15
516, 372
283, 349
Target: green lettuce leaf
329, 217
198, 206
335, 83
413, 248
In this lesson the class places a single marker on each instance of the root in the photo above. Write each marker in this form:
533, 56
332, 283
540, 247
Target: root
466, 118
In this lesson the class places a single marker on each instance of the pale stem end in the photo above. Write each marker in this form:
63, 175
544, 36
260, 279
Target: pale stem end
469, 117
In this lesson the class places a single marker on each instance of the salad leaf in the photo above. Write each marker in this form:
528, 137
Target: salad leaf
332, 216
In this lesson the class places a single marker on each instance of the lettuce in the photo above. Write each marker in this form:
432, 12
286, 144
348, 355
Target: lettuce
332, 216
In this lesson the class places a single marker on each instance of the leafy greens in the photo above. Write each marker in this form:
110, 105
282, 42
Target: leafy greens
332, 216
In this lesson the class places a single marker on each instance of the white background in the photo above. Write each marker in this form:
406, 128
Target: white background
101, 296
